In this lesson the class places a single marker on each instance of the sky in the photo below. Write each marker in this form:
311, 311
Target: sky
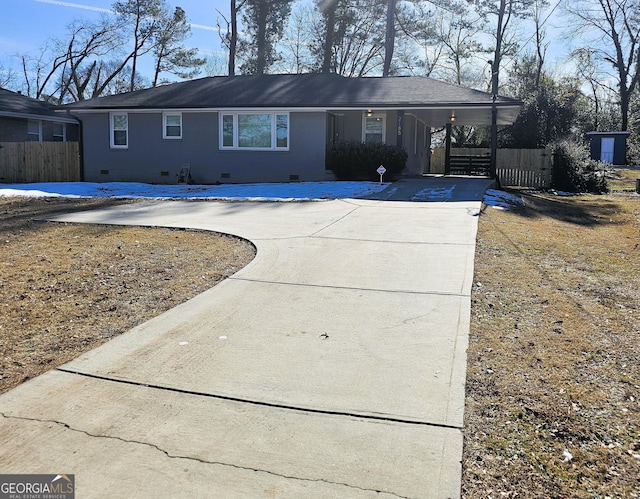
25, 25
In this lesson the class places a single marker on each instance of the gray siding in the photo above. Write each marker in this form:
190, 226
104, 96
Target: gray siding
351, 128
15, 130
149, 157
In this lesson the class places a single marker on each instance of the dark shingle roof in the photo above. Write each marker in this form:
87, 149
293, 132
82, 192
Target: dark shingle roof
297, 91
16, 105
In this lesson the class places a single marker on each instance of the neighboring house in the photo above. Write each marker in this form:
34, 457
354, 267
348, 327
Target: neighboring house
268, 128
23, 119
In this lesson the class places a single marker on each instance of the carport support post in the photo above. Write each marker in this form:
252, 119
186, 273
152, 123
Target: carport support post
447, 150
494, 139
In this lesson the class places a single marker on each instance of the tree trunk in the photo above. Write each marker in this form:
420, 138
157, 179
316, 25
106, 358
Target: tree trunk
136, 41
328, 39
233, 38
390, 37
156, 72
261, 37
625, 97
495, 71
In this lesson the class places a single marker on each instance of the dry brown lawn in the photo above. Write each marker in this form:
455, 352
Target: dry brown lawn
553, 384
67, 288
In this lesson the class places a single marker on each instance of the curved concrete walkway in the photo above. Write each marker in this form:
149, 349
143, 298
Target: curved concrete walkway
333, 365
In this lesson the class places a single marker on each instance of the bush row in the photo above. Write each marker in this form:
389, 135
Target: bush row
359, 161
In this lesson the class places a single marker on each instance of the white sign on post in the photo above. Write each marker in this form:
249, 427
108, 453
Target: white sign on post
381, 171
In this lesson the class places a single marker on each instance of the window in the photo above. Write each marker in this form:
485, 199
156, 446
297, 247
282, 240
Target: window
172, 125
119, 124
261, 131
34, 130
374, 129
227, 130
59, 132
254, 131
282, 131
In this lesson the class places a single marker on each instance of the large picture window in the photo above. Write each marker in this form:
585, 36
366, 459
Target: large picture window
172, 125
119, 130
374, 128
261, 131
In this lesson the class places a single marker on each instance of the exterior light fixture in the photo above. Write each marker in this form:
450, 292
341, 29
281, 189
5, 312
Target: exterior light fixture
369, 113
453, 116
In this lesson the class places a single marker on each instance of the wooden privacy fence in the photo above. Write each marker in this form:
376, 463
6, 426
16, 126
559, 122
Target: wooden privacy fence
23, 162
515, 167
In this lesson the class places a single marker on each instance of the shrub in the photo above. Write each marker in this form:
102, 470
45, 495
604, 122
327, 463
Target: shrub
575, 171
359, 161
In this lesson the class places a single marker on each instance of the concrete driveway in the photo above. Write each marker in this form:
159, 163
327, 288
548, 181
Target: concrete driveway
333, 365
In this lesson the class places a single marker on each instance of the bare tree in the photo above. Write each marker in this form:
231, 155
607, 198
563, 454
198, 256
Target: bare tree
229, 36
216, 63
612, 29
358, 44
8, 77
601, 93
94, 56
541, 45
352, 44
459, 34
295, 47
502, 16
53, 78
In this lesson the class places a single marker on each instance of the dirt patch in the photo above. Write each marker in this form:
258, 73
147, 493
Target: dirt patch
553, 383
67, 288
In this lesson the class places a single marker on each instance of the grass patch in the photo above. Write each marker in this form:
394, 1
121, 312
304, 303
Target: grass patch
67, 288
554, 350
623, 179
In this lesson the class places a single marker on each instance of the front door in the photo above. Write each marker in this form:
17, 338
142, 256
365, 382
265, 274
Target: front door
606, 149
